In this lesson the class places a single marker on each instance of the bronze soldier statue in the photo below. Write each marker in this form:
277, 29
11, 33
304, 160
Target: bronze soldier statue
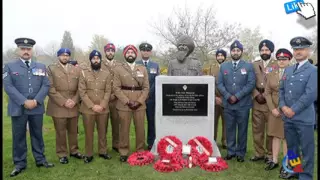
184, 65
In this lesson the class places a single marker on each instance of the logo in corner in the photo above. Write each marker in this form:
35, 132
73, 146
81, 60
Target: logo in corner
294, 161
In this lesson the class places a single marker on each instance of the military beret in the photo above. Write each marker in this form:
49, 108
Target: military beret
132, 47
223, 52
63, 50
25, 42
109, 46
145, 47
236, 44
283, 53
300, 42
269, 44
94, 53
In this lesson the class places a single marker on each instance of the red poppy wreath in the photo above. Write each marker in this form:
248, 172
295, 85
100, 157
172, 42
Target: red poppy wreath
170, 147
201, 149
213, 164
170, 152
166, 165
140, 158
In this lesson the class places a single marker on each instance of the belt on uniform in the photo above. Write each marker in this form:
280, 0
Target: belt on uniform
261, 90
131, 88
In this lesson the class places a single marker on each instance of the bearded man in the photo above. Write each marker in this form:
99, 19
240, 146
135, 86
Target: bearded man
183, 65
131, 87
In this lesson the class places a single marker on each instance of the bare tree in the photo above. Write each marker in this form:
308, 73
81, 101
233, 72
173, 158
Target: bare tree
202, 26
98, 42
313, 38
80, 55
9, 55
166, 56
51, 49
250, 38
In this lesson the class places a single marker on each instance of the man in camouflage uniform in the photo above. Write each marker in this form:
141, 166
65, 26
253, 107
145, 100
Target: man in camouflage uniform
184, 65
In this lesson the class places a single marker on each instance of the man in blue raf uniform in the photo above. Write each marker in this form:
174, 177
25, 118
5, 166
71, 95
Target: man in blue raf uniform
153, 71
298, 91
27, 85
236, 81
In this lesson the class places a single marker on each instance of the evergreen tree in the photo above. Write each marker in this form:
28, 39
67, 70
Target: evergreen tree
67, 42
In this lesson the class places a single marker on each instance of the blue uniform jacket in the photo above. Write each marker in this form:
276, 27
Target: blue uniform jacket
298, 90
22, 83
153, 71
239, 82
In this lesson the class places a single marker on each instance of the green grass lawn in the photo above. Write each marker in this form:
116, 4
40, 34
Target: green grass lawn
113, 169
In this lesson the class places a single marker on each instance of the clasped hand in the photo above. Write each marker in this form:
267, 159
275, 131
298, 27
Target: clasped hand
97, 108
233, 99
133, 104
288, 111
30, 104
260, 99
70, 104
218, 101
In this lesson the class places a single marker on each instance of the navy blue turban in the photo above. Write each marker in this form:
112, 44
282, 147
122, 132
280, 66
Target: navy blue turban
94, 53
63, 50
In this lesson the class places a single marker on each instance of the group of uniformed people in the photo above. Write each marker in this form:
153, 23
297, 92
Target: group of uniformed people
281, 98
96, 90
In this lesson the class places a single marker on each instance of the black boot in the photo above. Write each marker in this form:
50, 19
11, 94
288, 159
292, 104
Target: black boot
88, 159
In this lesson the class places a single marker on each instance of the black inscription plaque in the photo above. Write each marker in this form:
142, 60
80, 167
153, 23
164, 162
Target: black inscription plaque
185, 99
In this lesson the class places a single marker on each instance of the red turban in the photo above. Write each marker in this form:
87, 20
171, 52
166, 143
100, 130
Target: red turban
135, 50
109, 46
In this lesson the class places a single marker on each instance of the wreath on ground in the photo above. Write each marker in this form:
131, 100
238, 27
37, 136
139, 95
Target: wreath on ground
170, 152
218, 164
166, 165
201, 149
141, 158
169, 147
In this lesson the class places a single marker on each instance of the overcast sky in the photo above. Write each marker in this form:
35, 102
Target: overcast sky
126, 21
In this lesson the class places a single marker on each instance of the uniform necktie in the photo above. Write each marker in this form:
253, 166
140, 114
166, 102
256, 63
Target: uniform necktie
27, 63
296, 67
234, 65
145, 63
281, 73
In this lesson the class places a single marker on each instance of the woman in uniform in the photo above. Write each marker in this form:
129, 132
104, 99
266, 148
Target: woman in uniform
275, 123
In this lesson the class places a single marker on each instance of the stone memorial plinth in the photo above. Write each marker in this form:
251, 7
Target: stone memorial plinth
185, 108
